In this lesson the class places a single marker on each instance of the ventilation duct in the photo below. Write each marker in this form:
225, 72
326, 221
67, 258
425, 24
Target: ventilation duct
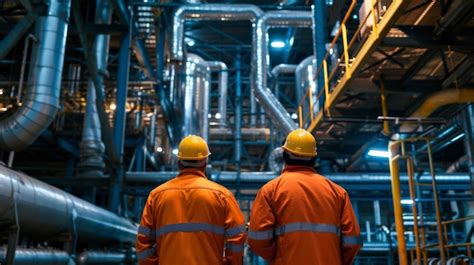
221, 68
43, 206
194, 90
217, 12
279, 70
275, 19
38, 257
41, 103
92, 147
305, 79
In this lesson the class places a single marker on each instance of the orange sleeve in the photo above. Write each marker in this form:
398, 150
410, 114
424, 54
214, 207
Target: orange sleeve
235, 233
350, 231
146, 241
262, 223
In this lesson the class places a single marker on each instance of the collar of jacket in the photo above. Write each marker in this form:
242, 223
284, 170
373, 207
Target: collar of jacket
293, 168
191, 172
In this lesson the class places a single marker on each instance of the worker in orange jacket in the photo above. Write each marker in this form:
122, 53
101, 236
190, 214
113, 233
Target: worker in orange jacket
302, 217
190, 219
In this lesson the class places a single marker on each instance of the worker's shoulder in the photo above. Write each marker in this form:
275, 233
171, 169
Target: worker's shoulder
217, 187
340, 190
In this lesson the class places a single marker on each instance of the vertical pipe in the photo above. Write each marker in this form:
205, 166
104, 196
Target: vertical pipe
120, 118
397, 206
205, 105
238, 117
377, 218
411, 186
368, 231
319, 35
92, 147
434, 187
383, 100
469, 140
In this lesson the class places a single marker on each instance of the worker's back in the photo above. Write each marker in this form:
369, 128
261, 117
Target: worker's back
192, 217
307, 214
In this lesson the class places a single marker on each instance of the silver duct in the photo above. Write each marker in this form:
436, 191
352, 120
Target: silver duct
213, 12
305, 79
277, 71
92, 148
207, 12
38, 257
267, 100
222, 70
55, 211
194, 88
41, 103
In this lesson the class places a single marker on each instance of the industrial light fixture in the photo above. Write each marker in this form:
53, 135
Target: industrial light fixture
378, 153
112, 106
294, 116
277, 44
355, 16
175, 151
1, 91
159, 149
218, 115
406, 201
209, 115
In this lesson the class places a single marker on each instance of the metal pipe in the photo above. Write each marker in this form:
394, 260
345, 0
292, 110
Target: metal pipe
92, 148
213, 12
207, 12
319, 43
101, 257
263, 177
437, 100
38, 257
41, 104
274, 19
304, 79
57, 212
206, 90
411, 186
277, 71
397, 206
222, 70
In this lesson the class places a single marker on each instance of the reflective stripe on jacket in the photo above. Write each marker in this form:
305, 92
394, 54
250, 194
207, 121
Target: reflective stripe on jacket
303, 218
191, 220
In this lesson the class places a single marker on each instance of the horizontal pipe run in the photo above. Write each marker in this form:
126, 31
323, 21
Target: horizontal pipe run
57, 212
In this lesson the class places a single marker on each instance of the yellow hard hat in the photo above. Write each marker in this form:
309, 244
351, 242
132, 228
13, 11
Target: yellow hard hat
193, 147
301, 143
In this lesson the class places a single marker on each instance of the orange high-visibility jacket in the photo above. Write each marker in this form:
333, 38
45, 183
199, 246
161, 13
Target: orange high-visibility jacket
191, 220
303, 218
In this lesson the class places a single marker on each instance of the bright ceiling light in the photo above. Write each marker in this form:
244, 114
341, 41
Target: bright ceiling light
277, 44
112, 106
294, 116
209, 115
190, 43
457, 137
379, 153
406, 201
218, 115
159, 149
175, 151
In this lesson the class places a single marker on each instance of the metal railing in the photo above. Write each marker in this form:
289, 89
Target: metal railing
335, 76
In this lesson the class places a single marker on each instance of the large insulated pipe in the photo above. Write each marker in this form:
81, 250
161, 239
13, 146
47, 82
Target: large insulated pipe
304, 78
92, 147
274, 19
221, 68
279, 70
41, 103
25, 256
207, 12
213, 12
44, 210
